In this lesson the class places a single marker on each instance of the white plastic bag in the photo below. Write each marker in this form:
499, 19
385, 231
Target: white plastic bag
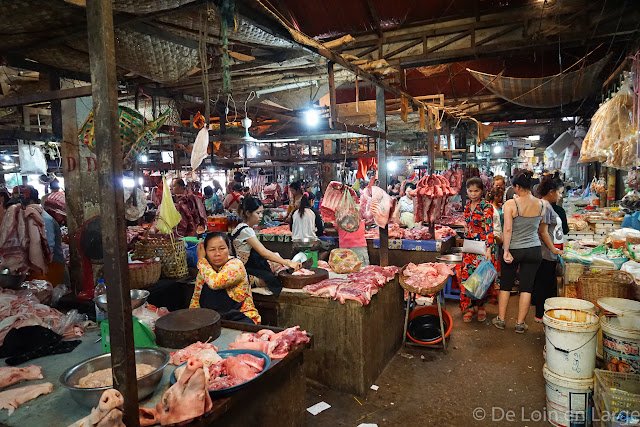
199, 152
32, 161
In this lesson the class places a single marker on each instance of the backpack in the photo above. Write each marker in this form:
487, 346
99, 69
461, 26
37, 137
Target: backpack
232, 238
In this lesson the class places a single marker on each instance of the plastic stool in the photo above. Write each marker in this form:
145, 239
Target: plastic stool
451, 293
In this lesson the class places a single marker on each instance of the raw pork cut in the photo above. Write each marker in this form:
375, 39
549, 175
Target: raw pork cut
427, 275
303, 272
108, 413
23, 241
431, 196
326, 288
275, 345
187, 399
13, 398
11, 375
181, 356
332, 198
380, 206
359, 286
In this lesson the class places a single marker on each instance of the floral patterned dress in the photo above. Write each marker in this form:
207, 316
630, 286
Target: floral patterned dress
233, 279
479, 226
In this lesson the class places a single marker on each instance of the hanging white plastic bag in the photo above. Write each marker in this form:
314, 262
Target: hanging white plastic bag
199, 152
32, 161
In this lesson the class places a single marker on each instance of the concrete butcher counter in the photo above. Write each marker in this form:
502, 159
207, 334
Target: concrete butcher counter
278, 394
352, 343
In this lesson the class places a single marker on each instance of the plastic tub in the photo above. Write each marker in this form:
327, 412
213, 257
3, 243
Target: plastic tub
571, 338
621, 347
575, 303
627, 311
568, 400
431, 310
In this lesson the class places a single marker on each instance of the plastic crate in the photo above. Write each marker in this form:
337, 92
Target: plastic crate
615, 392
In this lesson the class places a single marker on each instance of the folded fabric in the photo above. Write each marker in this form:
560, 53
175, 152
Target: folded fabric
30, 342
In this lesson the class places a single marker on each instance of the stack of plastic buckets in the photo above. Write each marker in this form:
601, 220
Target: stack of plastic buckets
621, 334
571, 339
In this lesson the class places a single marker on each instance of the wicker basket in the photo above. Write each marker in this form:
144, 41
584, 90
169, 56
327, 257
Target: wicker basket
172, 254
144, 274
420, 291
612, 283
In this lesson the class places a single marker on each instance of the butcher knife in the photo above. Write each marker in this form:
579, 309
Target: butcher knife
301, 257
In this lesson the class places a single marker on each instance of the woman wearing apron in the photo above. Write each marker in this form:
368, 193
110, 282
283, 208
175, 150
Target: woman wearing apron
222, 283
251, 251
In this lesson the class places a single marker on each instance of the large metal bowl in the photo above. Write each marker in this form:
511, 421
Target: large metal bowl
91, 396
138, 297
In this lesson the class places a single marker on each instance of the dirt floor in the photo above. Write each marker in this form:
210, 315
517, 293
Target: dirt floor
487, 377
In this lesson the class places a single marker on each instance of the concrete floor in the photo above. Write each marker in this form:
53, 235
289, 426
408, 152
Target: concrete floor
497, 371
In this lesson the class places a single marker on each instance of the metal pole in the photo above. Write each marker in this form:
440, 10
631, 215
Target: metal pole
109, 154
381, 126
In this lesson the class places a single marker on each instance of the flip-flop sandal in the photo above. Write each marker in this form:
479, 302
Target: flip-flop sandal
468, 316
482, 314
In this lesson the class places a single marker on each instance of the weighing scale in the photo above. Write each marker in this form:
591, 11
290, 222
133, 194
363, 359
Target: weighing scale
142, 335
308, 251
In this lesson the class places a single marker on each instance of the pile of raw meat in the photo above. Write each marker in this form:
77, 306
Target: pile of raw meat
11, 399
457, 219
281, 230
181, 356
332, 198
375, 206
272, 193
427, 275
21, 308
430, 197
275, 345
303, 272
455, 176
419, 232
360, 286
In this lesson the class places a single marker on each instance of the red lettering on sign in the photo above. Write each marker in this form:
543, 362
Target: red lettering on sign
91, 160
71, 164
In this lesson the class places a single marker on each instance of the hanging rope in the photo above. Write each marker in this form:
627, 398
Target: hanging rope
204, 64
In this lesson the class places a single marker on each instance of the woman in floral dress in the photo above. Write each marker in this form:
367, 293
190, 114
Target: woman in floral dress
478, 215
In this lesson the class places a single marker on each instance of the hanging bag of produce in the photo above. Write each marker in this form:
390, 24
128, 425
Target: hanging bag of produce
478, 283
347, 216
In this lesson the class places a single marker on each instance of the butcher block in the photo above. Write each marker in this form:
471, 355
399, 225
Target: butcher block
181, 328
292, 281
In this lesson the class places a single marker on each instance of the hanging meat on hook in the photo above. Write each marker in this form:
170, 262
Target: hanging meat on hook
431, 196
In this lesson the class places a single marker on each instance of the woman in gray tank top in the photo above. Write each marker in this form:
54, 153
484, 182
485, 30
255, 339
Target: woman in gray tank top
521, 249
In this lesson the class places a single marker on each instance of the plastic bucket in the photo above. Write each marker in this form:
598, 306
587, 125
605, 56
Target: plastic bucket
627, 311
432, 310
576, 303
621, 347
571, 338
568, 400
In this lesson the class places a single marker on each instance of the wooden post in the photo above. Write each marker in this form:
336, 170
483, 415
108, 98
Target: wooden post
381, 126
69, 150
56, 108
333, 114
109, 154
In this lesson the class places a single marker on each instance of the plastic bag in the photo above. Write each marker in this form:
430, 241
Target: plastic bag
58, 292
65, 326
478, 283
168, 215
32, 161
200, 146
347, 216
617, 256
344, 261
148, 314
41, 289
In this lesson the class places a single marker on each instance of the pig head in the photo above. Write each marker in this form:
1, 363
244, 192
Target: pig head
187, 399
107, 414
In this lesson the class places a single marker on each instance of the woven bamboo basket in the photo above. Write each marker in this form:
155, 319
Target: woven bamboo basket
612, 283
420, 291
172, 254
144, 274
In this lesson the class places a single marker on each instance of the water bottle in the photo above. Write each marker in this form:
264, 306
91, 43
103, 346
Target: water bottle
101, 288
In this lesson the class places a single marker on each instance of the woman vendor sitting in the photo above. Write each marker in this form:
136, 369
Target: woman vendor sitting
227, 289
251, 251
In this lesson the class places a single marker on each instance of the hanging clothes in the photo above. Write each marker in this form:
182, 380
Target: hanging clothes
365, 164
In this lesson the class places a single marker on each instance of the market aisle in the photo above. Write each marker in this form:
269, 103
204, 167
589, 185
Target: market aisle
484, 368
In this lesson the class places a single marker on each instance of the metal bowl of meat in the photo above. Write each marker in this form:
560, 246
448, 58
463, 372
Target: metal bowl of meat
89, 397
138, 297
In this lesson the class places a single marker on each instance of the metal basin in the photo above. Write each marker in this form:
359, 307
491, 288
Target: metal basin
138, 297
450, 259
91, 396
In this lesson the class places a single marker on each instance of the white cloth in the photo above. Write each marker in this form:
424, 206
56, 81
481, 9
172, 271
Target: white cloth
406, 204
241, 241
304, 227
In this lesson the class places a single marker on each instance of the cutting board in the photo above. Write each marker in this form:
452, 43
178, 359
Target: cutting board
298, 282
181, 328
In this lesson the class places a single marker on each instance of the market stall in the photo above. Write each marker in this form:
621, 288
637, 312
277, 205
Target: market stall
276, 394
352, 343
